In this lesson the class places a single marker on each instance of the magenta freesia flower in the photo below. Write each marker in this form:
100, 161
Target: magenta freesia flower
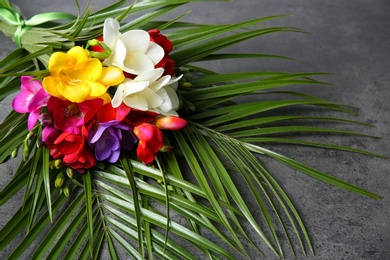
31, 99
110, 138
49, 134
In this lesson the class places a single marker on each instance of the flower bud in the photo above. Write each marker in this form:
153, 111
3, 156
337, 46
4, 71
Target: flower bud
69, 172
170, 123
186, 85
57, 163
98, 49
15, 152
66, 191
51, 164
60, 179
93, 42
26, 151
46, 119
166, 149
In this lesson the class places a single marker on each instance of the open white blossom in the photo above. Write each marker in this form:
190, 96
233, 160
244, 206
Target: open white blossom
149, 92
132, 51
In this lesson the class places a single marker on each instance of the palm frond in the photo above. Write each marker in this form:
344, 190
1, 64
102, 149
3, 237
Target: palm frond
191, 201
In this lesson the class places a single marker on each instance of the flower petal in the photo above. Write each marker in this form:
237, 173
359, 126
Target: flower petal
97, 89
51, 85
38, 100
75, 93
87, 69
166, 105
118, 97
155, 52
78, 53
153, 99
160, 83
59, 61
106, 98
151, 75
114, 156
29, 84
99, 132
136, 101
21, 101
137, 63
111, 76
33, 118
117, 56
171, 100
111, 32
131, 87
136, 40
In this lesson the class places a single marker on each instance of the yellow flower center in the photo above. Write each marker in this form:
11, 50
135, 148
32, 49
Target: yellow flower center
69, 81
74, 82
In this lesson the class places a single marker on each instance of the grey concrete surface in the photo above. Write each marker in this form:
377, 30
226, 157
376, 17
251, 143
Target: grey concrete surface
348, 38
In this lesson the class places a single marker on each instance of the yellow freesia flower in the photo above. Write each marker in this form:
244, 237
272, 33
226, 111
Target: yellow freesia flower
76, 77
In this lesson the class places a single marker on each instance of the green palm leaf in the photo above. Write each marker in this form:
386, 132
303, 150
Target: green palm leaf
190, 200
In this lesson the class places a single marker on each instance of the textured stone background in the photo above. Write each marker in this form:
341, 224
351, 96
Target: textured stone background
348, 38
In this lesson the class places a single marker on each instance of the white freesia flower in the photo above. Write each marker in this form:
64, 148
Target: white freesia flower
132, 51
149, 91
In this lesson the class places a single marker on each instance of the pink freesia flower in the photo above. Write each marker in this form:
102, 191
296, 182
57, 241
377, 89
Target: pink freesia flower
30, 99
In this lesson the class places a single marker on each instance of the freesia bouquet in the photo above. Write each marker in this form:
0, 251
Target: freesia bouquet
83, 123
128, 145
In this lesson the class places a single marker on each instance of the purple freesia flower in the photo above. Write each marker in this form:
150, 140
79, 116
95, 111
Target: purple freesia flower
30, 99
110, 138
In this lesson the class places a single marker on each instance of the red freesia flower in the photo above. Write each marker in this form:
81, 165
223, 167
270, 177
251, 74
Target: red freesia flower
84, 160
166, 63
136, 117
150, 141
71, 149
160, 39
69, 116
107, 113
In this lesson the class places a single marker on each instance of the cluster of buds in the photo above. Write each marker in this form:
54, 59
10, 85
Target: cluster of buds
63, 173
